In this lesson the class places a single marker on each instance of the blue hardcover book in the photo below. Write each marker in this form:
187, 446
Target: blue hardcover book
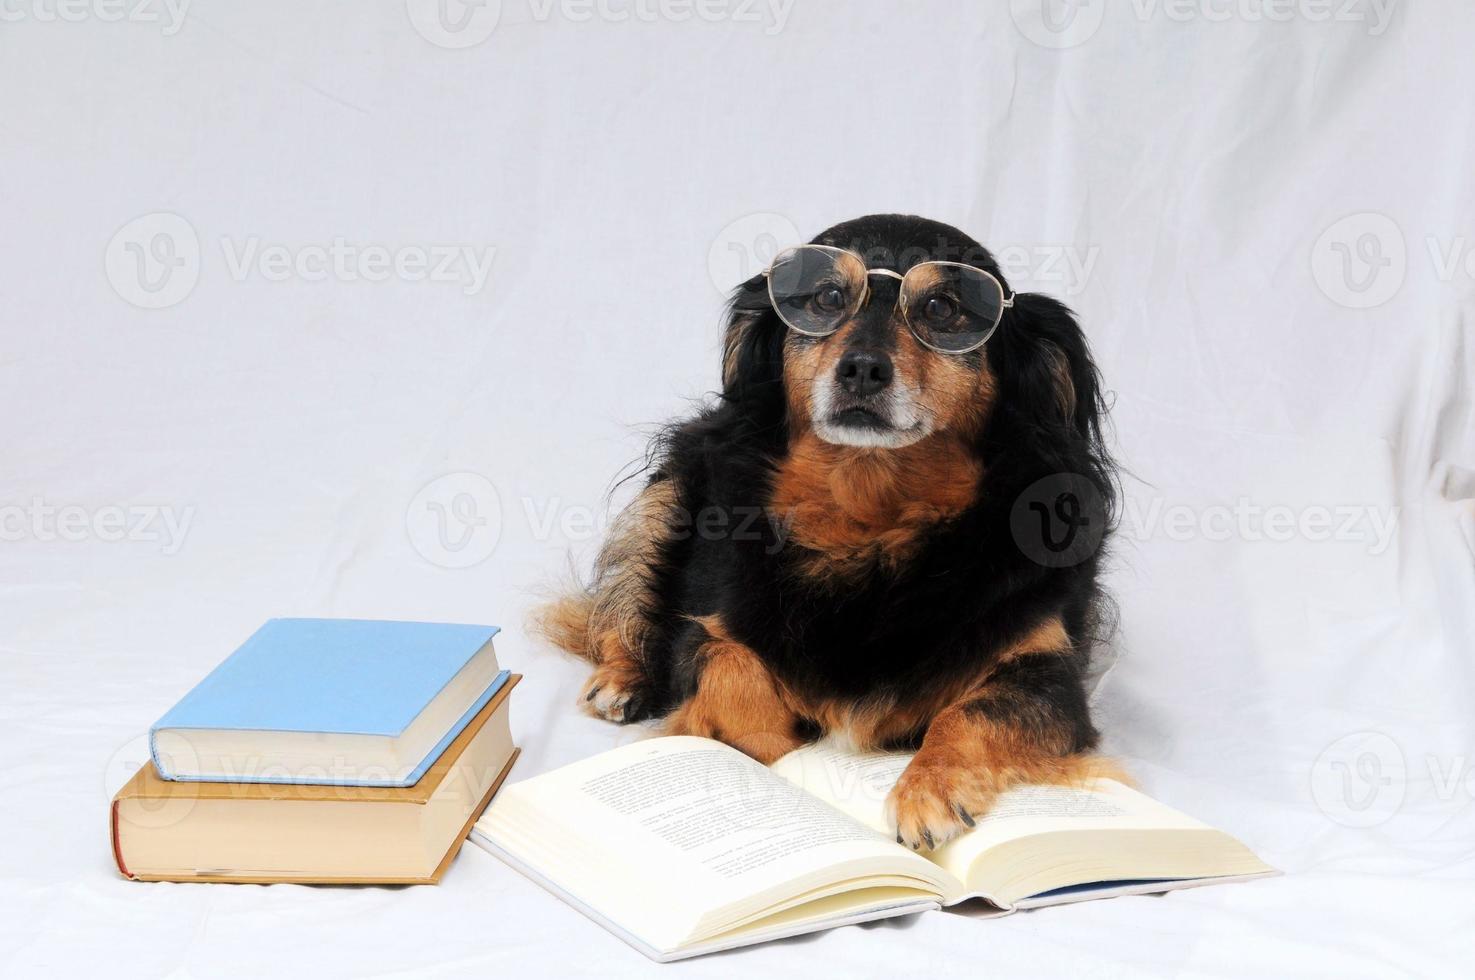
347, 702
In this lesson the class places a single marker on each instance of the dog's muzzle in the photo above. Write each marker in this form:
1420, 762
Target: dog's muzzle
863, 405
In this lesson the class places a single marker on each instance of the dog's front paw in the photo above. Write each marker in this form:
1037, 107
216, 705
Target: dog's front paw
616, 692
933, 802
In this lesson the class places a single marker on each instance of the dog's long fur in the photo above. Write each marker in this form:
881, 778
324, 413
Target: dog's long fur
769, 586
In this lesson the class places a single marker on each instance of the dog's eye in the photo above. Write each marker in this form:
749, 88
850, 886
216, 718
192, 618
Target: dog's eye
830, 299
939, 309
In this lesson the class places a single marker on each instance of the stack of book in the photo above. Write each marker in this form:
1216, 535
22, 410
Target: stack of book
324, 751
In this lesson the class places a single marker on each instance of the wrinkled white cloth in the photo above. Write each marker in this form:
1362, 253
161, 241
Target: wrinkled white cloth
1264, 220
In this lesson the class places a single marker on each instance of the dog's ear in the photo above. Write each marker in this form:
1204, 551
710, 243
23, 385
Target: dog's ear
752, 348
1041, 357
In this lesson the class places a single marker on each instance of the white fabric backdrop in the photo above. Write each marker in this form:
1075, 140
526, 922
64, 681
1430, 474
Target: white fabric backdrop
1263, 215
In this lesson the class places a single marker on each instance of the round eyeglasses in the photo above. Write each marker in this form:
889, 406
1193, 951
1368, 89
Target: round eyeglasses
948, 306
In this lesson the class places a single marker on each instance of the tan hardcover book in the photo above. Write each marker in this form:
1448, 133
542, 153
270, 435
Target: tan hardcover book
683, 846
263, 833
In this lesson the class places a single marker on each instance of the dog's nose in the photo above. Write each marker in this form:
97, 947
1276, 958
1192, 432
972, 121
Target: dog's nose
864, 372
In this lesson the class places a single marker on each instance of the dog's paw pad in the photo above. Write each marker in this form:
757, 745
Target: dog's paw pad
930, 805
612, 694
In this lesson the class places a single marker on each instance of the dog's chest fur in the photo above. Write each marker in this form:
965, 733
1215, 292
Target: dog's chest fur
854, 510
856, 614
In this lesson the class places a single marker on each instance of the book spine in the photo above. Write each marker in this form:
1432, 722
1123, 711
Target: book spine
154, 755
118, 843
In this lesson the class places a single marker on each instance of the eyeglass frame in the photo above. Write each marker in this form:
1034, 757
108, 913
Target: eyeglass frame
1006, 300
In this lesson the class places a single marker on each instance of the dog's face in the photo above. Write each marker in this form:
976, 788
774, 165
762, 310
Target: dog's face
872, 383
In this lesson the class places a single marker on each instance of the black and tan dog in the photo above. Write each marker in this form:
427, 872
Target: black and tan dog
835, 547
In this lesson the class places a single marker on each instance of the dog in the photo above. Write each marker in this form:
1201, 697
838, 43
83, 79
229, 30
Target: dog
848, 543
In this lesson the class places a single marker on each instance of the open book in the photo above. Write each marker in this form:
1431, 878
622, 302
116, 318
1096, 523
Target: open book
683, 846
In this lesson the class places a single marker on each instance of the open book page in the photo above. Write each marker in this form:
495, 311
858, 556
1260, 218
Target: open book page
678, 839
1061, 821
